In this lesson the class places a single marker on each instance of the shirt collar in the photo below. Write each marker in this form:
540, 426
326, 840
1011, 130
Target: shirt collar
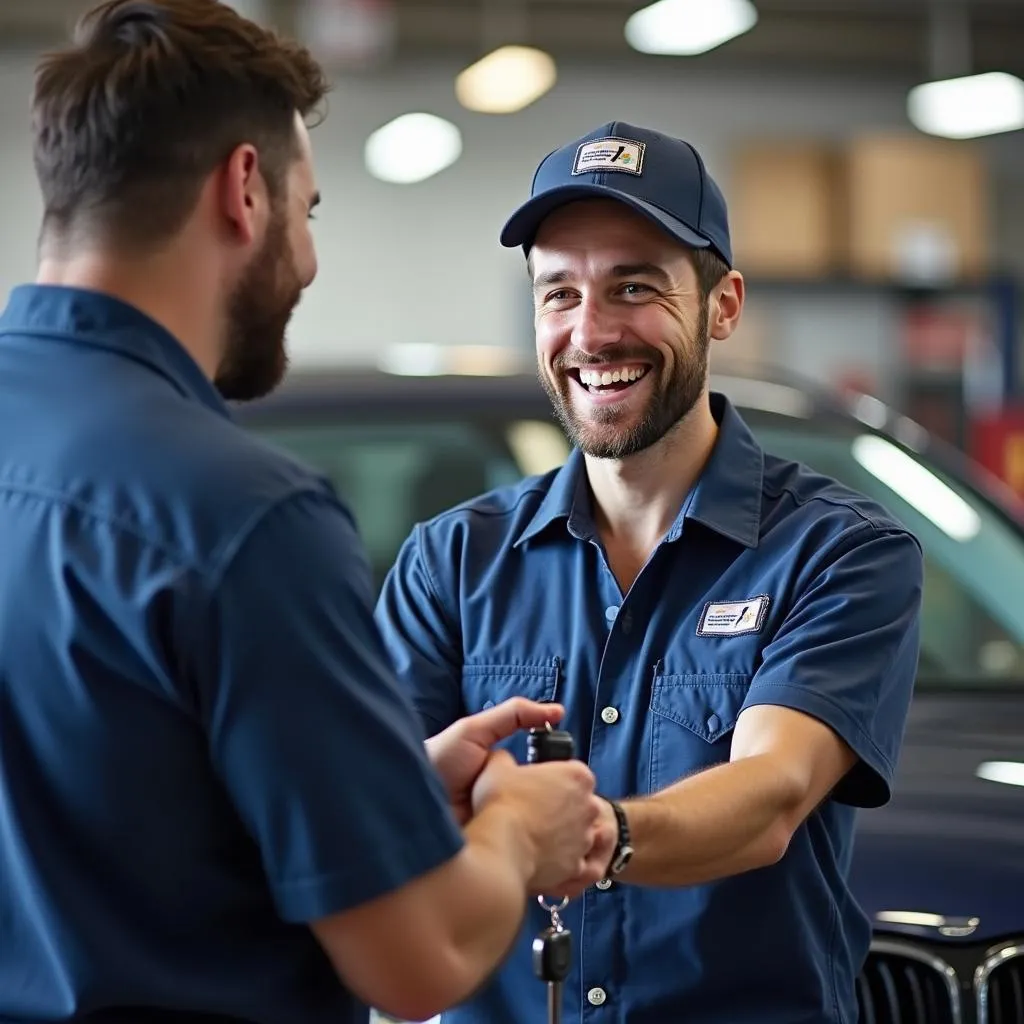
727, 497
568, 499
92, 319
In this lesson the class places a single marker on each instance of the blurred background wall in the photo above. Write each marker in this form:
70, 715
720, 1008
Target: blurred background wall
878, 255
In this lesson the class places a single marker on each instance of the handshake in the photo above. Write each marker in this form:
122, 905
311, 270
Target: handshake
570, 831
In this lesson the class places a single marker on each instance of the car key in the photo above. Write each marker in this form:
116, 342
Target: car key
552, 948
549, 744
552, 957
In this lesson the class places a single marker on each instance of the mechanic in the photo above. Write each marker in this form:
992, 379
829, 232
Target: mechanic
733, 636
216, 804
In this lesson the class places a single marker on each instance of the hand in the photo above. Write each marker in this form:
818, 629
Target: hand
558, 812
599, 857
460, 752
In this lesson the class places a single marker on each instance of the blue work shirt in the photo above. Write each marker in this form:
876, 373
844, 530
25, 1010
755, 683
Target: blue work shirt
773, 586
202, 744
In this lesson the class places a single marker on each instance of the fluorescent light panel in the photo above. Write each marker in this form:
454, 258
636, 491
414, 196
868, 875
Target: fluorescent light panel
506, 80
688, 27
412, 148
966, 108
424, 359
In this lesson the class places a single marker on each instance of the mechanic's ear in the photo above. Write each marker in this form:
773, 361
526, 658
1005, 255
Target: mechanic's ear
725, 305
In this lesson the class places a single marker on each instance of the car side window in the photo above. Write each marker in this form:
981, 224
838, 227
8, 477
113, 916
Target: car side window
393, 476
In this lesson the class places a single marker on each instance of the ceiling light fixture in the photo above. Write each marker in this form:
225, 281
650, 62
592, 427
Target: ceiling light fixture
688, 27
968, 107
506, 80
412, 148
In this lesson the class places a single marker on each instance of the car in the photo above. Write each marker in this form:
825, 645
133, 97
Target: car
940, 869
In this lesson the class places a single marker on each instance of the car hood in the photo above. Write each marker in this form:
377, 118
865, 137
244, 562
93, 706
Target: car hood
944, 860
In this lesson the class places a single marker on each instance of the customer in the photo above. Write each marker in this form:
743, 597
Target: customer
734, 637
215, 803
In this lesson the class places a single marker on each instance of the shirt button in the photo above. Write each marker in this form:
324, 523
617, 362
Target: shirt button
596, 996
605, 883
609, 715
611, 611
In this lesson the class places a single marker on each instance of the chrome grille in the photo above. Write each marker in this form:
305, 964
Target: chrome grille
999, 983
901, 984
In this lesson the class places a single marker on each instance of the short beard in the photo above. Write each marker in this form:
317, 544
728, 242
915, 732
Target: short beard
255, 356
670, 403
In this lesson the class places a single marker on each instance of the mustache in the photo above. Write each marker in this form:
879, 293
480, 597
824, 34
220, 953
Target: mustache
565, 361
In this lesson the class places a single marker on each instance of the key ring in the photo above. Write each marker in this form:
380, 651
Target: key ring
553, 910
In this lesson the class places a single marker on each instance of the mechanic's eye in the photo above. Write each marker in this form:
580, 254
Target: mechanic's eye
635, 288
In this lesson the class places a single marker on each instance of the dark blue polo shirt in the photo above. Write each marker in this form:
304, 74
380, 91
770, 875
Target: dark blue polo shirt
202, 746
773, 586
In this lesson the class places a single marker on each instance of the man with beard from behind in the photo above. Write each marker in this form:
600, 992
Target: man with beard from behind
733, 636
215, 802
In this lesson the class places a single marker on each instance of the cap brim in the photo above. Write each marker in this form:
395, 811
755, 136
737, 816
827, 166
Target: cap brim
521, 228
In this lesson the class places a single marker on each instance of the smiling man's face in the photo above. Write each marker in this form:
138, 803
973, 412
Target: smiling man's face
622, 327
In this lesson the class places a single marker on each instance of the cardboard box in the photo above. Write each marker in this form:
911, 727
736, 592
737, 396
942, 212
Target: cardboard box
917, 208
785, 209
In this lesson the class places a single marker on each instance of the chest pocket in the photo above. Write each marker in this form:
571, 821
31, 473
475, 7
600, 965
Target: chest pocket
692, 719
484, 685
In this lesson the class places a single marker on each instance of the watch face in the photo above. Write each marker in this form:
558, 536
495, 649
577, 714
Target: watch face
623, 859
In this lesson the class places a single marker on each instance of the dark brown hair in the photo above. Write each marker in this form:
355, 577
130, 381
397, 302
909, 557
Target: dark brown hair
710, 268
132, 118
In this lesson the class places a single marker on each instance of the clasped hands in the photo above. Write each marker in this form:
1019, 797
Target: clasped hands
573, 831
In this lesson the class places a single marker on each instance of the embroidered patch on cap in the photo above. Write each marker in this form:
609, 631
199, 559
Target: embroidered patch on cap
610, 154
732, 618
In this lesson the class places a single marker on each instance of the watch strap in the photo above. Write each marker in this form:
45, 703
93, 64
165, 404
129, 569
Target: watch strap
623, 846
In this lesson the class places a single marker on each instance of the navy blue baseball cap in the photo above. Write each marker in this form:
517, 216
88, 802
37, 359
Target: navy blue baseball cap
658, 176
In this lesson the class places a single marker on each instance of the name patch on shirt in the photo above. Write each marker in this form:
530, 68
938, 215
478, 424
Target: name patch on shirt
733, 618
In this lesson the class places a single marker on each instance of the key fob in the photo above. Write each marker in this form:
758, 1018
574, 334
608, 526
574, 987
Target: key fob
549, 745
552, 954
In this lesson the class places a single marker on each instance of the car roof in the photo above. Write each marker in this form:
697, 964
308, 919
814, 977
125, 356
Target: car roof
312, 395
358, 389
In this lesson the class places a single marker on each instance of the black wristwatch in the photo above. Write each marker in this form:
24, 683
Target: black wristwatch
623, 850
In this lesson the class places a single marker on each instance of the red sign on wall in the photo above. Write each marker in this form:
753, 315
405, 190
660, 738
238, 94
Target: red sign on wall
997, 442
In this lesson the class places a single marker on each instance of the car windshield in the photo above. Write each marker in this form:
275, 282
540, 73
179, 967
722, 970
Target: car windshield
973, 614
395, 470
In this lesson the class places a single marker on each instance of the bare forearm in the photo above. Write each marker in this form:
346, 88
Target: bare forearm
427, 946
488, 898
726, 820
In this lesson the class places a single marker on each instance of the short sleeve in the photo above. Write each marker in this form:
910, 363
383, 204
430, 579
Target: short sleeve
422, 639
318, 747
847, 653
